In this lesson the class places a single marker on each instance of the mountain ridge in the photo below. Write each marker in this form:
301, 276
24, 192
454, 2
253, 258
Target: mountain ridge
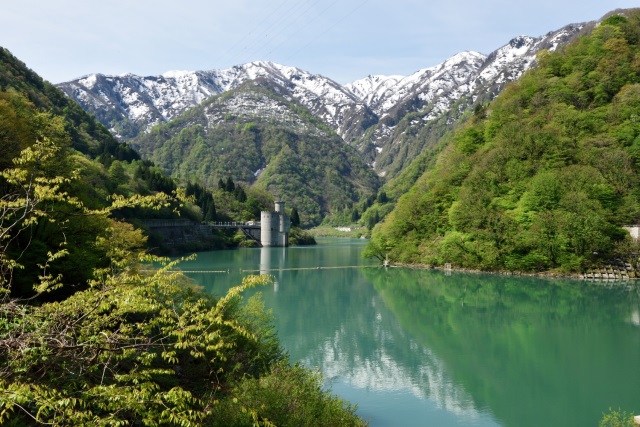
363, 113
257, 136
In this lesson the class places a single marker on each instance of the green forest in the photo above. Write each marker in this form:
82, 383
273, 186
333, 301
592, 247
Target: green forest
541, 179
88, 334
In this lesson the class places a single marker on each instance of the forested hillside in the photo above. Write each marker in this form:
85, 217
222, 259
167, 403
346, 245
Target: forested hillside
259, 138
86, 134
541, 178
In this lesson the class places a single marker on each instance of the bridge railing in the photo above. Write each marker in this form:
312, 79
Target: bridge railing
234, 224
157, 223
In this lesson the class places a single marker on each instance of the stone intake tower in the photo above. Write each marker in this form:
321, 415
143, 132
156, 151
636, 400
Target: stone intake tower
275, 227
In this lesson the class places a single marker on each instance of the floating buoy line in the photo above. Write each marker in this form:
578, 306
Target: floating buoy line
311, 268
263, 270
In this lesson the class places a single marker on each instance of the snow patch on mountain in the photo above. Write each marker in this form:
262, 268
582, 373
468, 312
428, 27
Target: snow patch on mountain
366, 88
382, 94
248, 105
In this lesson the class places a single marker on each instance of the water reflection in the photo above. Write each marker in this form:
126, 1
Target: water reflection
432, 349
265, 260
383, 371
534, 352
635, 318
275, 268
334, 320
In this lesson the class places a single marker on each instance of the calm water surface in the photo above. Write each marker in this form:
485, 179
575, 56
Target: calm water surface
421, 348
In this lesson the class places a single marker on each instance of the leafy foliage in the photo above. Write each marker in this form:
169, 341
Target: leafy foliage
298, 237
291, 396
132, 348
544, 178
129, 349
617, 418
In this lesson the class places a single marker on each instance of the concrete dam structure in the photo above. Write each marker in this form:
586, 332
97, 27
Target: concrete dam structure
274, 227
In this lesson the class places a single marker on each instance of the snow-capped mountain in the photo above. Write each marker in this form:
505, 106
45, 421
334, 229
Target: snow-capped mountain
383, 95
128, 104
461, 74
438, 96
364, 113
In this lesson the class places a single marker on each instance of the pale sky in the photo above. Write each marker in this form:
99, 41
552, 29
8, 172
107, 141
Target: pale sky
344, 40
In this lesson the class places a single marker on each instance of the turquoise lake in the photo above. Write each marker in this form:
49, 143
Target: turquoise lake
426, 348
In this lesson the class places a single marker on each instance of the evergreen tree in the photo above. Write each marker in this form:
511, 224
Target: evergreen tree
230, 186
210, 213
373, 220
240, 194
382, 197
117, 173
355, 215
295, 218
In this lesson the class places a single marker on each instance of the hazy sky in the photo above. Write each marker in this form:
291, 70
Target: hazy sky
341, 39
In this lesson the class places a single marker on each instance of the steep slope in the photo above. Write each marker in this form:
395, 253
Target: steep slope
71, 149
96, 164
545, 177
386, 95
415, 111
87, 134
257, 136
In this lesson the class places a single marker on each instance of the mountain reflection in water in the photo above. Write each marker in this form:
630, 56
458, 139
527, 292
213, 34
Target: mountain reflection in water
464, 349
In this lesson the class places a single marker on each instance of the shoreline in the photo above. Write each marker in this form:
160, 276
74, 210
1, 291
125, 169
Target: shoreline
610, 278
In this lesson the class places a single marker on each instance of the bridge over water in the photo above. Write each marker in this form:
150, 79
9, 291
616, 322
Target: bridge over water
222, 225
251, 229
